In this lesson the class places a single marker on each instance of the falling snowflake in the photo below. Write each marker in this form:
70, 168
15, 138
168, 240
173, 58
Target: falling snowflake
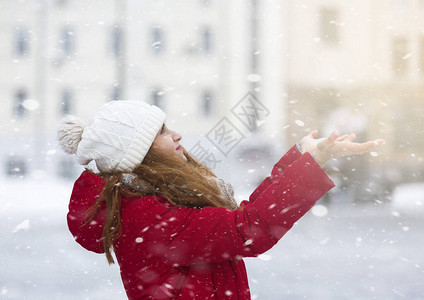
24, 225
31, 104
407, 56
299, 123
319, 210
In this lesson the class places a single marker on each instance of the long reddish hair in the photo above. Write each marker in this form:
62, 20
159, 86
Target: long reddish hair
182, 183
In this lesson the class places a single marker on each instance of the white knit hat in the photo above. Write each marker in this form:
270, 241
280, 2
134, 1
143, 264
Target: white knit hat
117, 136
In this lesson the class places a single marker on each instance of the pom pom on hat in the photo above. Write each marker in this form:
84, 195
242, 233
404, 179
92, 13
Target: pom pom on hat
116, 137
69, 134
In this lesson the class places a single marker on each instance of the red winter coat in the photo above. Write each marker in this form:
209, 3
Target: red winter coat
168, 252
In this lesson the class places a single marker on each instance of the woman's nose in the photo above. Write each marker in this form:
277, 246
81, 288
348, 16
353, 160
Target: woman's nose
177, 137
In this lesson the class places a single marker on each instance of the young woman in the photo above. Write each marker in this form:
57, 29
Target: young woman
174, 227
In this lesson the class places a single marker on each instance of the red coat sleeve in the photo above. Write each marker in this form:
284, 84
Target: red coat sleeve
185, 236
277, 170
87, 189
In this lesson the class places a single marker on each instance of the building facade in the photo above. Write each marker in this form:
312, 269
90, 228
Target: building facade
61, 59
194, 59
358, 67
353, 66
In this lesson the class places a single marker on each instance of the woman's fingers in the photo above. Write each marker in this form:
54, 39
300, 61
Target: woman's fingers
361, 148
372, 144
329, 141
341, 138
346, 137
349, 148
368, 146
333, 136
334, 146
313, 133
351, 137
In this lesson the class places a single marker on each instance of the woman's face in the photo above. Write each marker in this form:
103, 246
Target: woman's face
167, 142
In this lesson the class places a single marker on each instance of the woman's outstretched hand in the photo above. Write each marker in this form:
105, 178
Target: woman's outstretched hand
334, 146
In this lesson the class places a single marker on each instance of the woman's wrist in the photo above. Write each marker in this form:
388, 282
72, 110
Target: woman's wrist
319, 158
321, 162
299, 148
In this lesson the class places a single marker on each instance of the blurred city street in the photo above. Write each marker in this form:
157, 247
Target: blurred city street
339, 252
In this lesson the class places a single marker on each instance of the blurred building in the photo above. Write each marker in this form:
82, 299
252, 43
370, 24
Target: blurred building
62, 57
348, 65
195, 59
357, 66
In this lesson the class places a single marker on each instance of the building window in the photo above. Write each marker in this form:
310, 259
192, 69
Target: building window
206, 40
66, 102
16, 166
207, 103
329, 29
157, 98
157, 37
21, 42
117, 41
19, 110
67, 41
400, 56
